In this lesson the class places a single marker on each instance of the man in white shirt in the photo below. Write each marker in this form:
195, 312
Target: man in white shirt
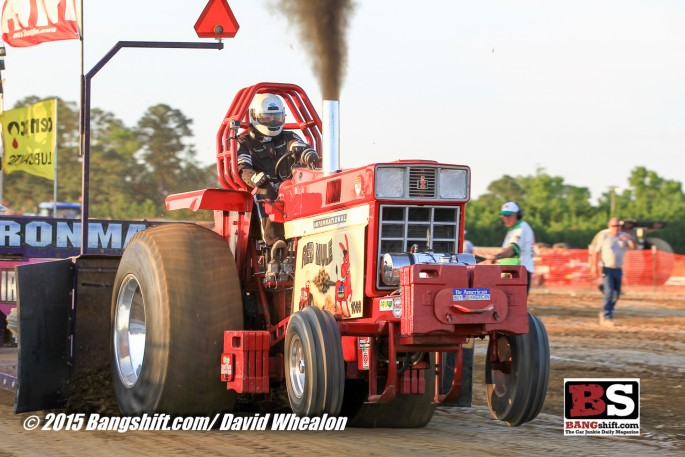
517, 248
608, 247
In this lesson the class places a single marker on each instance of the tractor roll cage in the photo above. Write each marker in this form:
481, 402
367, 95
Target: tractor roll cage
237, 120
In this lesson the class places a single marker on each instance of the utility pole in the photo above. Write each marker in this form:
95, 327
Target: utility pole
612, 201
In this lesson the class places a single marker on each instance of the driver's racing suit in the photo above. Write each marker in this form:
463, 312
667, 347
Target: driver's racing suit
259, 153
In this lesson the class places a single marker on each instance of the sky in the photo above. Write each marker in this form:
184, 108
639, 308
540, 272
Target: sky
586, 90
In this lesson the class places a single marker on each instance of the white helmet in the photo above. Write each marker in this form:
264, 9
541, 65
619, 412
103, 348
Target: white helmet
267, 114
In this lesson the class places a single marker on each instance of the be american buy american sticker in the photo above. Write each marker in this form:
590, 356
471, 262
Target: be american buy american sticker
471, 294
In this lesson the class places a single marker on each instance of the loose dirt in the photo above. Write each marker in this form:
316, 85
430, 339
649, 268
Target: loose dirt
648, 343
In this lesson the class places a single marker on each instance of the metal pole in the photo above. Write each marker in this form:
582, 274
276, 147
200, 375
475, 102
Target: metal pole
331, 136
85, 113
54, 181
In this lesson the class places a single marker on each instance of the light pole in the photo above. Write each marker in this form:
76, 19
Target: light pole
612, 200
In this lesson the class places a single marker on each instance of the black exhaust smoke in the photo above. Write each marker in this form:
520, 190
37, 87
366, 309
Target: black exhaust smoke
322, 26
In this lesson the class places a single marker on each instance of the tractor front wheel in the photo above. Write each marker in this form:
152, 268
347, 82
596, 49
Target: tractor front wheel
516, 383
314, 368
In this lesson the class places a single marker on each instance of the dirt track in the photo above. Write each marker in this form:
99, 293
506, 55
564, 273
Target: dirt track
648, 344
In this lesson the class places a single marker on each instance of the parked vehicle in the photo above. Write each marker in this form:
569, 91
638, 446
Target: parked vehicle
60, 210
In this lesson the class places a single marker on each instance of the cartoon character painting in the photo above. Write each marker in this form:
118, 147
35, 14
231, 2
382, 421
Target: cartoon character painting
306, 298
343, 286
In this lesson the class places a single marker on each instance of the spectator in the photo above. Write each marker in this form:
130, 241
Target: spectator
517, 248
608, 247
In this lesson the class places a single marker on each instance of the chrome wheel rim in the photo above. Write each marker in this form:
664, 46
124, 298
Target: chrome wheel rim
129, 331
297, 366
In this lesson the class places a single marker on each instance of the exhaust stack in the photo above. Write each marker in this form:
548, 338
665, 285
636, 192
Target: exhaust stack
331, 137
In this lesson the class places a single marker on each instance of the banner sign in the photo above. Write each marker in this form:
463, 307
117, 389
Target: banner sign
31, 22
33, 237
29, 239
30, 138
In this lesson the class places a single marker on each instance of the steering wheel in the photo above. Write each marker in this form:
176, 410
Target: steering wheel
287, 161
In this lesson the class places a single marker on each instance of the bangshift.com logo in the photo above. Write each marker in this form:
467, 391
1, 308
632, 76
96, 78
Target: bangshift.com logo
606, 407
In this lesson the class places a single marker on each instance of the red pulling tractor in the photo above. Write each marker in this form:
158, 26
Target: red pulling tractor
366, 310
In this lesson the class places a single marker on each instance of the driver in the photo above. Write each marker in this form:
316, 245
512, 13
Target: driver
259, 149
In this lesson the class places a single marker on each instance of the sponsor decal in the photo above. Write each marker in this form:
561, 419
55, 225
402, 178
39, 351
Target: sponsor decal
358, 186
226, 367
481, 293
600, 406
364, 344
386, 304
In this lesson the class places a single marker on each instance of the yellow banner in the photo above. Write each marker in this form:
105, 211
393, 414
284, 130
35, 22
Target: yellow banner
30, 138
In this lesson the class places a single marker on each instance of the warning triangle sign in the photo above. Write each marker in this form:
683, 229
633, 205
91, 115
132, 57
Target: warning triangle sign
216, 21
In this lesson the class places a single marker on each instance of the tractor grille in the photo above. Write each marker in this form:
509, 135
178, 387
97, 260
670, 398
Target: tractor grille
428, 227
422, 182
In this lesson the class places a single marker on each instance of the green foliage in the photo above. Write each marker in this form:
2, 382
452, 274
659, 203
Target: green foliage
132, 170
559, 212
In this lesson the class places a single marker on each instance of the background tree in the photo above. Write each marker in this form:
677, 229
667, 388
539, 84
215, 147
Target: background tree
113, 169
134, 169
559, 212
166, 162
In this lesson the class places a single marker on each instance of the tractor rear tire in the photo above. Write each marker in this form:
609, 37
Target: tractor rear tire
314, 366
405, 411
517, 391
176, 291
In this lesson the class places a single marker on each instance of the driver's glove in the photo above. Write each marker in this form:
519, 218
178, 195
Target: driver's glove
309, 158
259, 179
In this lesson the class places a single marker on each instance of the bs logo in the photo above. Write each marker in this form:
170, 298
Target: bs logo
601, 398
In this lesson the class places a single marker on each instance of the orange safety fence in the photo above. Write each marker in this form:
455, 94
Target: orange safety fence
570, 268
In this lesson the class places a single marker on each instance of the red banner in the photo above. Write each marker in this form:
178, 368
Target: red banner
31, 22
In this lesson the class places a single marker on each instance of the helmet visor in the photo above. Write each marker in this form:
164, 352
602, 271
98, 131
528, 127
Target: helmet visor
275, 119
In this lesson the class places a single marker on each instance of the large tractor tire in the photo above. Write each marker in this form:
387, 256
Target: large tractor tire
176, 291
405, 411
314, 366
516, 389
